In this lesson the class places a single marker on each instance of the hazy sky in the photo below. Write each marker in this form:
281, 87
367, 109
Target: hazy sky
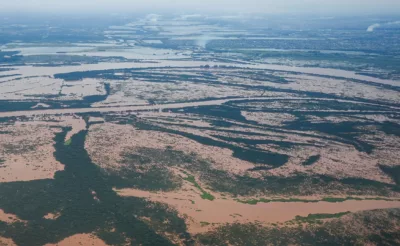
268, 6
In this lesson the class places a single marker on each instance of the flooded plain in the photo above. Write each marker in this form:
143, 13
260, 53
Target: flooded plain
227, 210
159, 130
27, 71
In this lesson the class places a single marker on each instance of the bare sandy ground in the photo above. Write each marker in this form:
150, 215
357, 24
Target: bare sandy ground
9, 218
52, 216
221, 210
80, 239
6, 242
41, 105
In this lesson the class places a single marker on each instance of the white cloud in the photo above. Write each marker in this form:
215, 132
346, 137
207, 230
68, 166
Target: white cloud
371, 28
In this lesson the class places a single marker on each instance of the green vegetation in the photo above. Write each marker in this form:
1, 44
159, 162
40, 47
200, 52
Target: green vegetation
269, 185
312, 217
338, 199
249, 153
235, 215
263, 200
325, 199
204, 223
146, 168
68, 142
205, 194
377, 228
313, 159
18, 148
116, 219
393, 172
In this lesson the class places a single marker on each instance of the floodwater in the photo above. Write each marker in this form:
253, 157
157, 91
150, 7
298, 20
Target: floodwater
50, 71
82, 50
228, 211
304, 50
154, 107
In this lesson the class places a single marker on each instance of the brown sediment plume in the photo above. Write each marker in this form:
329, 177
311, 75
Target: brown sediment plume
203, 215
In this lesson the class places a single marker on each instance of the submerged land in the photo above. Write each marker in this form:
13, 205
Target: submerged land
199, 130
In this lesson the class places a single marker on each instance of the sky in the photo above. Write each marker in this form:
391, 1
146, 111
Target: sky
265, 6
